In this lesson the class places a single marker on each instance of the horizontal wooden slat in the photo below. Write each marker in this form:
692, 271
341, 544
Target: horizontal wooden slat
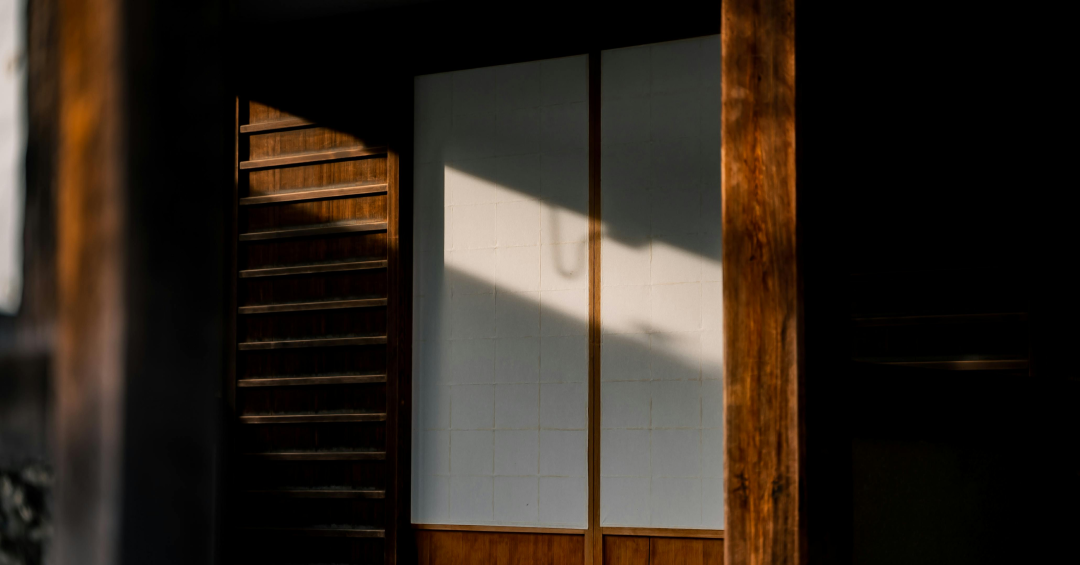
310, 381
498, 529
319, 194
314, 230
312, 418
275, 125
305, 306
320, 456
664, 532
303, 158
939, 319
312, 269
324, 532
318, 493
322, 342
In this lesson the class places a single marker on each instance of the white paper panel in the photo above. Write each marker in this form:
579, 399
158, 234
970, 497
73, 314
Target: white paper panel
661, 439
501, 295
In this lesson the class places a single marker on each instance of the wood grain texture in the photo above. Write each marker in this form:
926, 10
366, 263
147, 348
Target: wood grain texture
311, 418
304, 253
346, 226
362, 208
332, 286
261, 113
316, 419
397, 398
312, 176
315, 194
232, 245
304, 141
312, 269
678, 551
762, 428
494, 548
312, 157
305, 306
275, 125
619, 550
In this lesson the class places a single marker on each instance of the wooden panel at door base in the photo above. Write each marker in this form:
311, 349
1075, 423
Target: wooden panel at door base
498, 548
642, 550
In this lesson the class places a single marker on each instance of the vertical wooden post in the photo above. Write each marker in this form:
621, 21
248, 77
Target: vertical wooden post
399, 326
594, 542
90, 355
762, 318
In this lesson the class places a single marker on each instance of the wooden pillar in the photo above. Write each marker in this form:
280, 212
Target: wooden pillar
138, 358
762, 318
90, 258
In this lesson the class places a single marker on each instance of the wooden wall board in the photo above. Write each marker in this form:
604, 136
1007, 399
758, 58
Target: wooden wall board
678, 551
436, 547
645, 550
626, 550
315, 447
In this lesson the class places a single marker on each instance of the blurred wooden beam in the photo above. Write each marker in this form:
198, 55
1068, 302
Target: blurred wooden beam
90, 256
762, 317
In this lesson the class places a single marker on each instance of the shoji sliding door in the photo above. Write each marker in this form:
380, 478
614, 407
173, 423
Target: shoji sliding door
661, 450
521, 249
500, 350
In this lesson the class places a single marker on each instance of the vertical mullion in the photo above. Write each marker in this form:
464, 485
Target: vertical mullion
234, 368
399, 325
593, 540
233, 272
393, 333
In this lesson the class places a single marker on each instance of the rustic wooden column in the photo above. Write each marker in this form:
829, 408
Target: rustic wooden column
90, 256
141, 193
762, 429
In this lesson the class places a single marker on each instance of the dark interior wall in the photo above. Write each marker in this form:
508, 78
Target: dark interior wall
179, 132
434, 36
928, 160
25, 406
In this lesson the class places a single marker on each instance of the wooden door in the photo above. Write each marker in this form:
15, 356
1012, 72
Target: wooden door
319, 306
